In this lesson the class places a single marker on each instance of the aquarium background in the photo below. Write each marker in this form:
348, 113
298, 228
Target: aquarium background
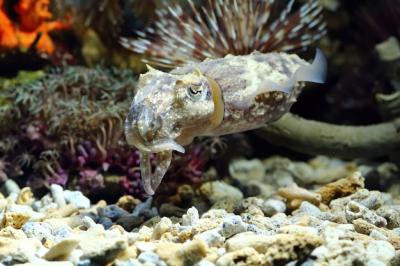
69, 70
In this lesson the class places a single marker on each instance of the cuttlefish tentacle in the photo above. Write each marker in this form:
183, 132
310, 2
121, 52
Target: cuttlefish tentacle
151, 180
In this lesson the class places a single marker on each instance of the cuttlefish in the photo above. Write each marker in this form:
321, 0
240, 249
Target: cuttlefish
211, 98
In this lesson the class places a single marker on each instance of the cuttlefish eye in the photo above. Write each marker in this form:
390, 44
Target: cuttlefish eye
196, 93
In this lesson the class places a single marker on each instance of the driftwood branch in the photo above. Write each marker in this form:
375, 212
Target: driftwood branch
318, 138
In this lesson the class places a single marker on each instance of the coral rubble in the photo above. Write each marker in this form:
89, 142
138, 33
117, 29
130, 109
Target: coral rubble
58, 228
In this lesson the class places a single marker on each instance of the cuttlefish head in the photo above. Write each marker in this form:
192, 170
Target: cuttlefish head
167, 112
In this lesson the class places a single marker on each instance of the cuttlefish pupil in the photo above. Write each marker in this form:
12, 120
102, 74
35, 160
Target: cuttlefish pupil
212, 98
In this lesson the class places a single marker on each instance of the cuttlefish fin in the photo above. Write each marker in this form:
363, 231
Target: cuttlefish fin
151, 180
315, 72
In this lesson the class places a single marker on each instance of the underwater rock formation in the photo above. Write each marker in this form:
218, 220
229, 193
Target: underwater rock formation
63, 227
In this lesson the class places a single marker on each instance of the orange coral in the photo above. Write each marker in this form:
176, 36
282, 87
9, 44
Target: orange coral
7, 34
33, 16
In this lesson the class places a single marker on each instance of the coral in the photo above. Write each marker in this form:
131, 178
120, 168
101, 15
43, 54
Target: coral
33, 27
277, 248
341, 188
69, 126
7, 33
295, 195
212, 30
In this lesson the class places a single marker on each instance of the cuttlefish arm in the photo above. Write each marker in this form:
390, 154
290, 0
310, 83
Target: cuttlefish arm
152, 180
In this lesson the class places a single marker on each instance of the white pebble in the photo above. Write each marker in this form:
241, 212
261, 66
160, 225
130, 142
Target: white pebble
58, 195
191, 217
273, 206
381, 250
233, 225
76, 198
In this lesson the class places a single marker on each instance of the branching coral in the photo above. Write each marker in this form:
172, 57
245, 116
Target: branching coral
68, 124
226, 27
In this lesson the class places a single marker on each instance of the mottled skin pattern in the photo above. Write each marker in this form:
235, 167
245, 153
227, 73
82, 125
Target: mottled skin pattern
211, 98
249, 107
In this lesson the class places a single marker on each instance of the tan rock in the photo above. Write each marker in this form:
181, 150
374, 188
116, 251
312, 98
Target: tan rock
341, 188
182, 254
295, 195
14, 219
128, 203
161, 227
64, 211
19, 251
282, 247
364, 227
25, 196
45, 263
61, 250
244, 257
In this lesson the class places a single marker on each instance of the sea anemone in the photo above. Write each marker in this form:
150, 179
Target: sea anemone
219, 28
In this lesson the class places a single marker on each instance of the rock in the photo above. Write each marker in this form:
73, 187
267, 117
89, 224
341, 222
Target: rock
380, 250
218, 190
105, 222
130, 262
10, 187
61, 250
188, 253
309, 209
280, 247
391, 214
191, 217
341, 247
298, 230
40, 230
170, 210
341, 188
242, 257
113, 212
25, 197
151, 258
369, 199
161, 227
378, 235
389, 50
232, 225
204, 262
130, 222
245, 170
271, 207
100, 246
364, 227
57, 193
212, 237
128, 203
144, 207
14, 251
355, 211
295, 195
46, 263
77, 198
